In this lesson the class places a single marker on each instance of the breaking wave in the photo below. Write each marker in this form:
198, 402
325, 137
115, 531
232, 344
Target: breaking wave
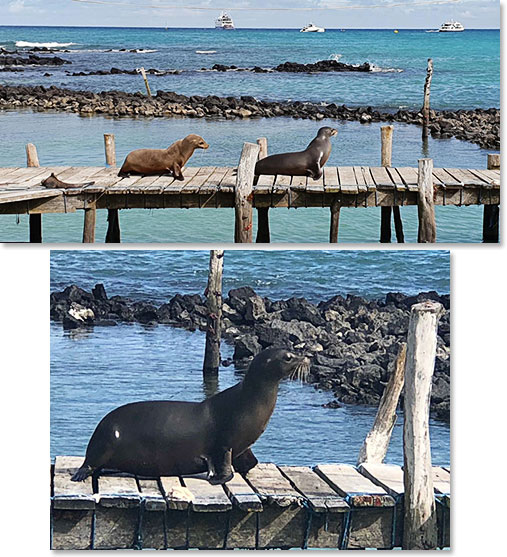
41, 45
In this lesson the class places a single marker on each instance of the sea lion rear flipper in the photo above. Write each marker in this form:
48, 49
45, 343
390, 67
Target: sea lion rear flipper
220, 466
82, 473
245, 462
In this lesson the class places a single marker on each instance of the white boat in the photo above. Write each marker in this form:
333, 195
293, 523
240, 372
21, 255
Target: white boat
311, 28
224, 21
451, 27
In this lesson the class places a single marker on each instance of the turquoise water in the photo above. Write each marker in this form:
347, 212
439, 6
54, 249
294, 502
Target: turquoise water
466, 76
467, 65
96, 371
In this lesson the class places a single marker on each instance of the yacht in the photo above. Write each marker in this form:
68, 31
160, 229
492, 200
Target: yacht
311, 28
451, 27
224, 21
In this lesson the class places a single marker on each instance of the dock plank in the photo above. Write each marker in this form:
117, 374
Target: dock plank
68, 494
153, 498
320, 495
441, 480
118, 491
359, 490
206, 497
269, 483
331, 179
177, 496
387, 476
242, 495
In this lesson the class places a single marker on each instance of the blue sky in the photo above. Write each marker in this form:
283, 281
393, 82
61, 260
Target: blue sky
153, 13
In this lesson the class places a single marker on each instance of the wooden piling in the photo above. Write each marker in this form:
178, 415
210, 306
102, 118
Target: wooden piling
375, 445
214, 320
386, 153
427, 232
491, 217
35, 221
90, 217
263, 234
335, 222
426, 102
243, 194
113, 235
142, 71
420, 520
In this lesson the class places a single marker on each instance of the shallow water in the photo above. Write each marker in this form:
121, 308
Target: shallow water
69, 139
94, 372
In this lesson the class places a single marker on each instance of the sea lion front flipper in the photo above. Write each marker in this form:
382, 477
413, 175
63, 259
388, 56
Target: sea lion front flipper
245, 462
177, 172
220, 466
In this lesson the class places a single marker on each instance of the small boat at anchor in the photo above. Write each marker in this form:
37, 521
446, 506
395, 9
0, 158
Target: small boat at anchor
311, 28
451, 27
224, 21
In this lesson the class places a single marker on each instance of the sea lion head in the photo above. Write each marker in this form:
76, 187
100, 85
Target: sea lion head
327, 132
279, 363
196, 141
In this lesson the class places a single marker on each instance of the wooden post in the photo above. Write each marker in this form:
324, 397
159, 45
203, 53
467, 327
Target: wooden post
142, 71
243, 193
263, 235
375, 445
420, 526
35, 221
491, 212
426, 103
113, 235
214, 303
386, 153
427, 232
90, 217
335, 222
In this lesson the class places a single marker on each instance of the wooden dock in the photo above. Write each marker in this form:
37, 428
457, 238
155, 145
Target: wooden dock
272, 507
216, 187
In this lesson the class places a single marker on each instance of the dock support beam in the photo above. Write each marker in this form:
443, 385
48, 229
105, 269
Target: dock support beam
113, 217
491, 212
386, 155
35, 221
375, 445
243, 193
90, 217
263, 235
335, 222
214, 320
427, 232
420, 525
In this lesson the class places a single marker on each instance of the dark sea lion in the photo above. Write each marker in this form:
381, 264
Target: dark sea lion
165, 438
303, 163
160, 161
53, 182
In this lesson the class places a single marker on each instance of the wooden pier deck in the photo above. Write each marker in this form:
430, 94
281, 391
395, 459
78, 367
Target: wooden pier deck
329, 506
216, 187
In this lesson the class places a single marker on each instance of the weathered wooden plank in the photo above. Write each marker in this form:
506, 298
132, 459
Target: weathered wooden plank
242, 495
229, 181
441, 480
399, 184
271, 485
467, 177
446, 178
72, 495
347, 176
389, 477
213, 181
151, 495
331, 179
282, 181
489, 176
7, 172
206, 497
359, 490
177, 496
118, 491
409, 176
27, 195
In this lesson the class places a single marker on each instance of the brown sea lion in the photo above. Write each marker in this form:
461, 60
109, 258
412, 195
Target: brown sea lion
161, 161
52, 182
303, 163
166, 437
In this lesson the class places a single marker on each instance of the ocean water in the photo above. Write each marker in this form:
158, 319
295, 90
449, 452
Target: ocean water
466, 76
96, 371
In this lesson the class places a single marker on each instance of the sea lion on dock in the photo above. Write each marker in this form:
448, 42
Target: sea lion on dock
161, 161
303, 163
52, 182
166, 438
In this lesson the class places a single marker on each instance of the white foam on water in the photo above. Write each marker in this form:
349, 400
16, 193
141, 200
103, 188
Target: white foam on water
378, 69
205, 51
335, 57
41, 45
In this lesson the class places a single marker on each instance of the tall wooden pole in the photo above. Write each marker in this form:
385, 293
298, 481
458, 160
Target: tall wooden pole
427, 232
142, 71
113, 235
420, 524
263, 234
214, 303
375, 445
386, 152
491, 217
35, 221
243, 193
426, 102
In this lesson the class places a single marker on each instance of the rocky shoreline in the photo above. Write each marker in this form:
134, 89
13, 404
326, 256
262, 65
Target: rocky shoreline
480, 126
352, 341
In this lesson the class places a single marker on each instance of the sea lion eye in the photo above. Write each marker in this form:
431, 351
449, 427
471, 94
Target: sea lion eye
288, 357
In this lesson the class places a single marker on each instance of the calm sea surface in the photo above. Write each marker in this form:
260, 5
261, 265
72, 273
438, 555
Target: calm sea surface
467, 75
94, 372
